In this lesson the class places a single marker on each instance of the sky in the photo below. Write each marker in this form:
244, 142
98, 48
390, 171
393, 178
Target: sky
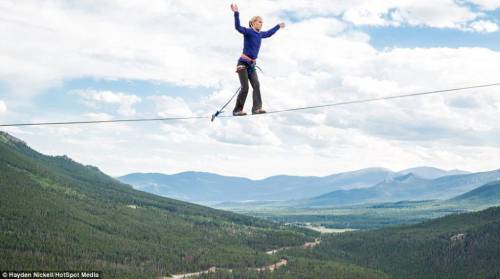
122, 59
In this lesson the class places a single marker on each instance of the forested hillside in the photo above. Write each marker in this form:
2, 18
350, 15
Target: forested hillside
457, 246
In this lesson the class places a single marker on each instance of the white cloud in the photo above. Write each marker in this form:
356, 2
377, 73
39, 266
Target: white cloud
484, 26
3, 107
94, 98
244, 132
167, 106
98, 116
437, 14
488, 5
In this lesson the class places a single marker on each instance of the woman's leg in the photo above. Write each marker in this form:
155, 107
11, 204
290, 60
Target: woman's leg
242, 96
257, 100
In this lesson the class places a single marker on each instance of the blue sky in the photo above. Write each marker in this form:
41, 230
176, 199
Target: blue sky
85, 62
424, 37
64, 100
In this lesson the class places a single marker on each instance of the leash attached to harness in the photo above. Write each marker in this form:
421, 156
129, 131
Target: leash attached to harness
224, 106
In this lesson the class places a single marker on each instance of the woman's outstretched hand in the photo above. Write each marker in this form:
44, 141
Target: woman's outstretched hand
282, 25
234, 7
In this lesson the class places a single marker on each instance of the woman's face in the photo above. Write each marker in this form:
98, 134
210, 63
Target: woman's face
257, 24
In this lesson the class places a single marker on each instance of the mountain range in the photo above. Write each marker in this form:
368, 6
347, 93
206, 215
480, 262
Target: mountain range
487, 193
208, 188
407, 187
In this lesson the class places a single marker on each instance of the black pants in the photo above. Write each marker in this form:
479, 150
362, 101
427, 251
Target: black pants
254, 81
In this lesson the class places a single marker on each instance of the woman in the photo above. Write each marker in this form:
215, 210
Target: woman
247, 61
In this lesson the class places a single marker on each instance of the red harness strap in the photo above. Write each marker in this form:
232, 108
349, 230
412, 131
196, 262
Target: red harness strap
240, 68
246, 57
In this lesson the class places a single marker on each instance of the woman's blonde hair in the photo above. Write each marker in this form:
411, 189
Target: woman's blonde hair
253, 19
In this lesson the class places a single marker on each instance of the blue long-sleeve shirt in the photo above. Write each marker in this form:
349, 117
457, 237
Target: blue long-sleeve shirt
252, 38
